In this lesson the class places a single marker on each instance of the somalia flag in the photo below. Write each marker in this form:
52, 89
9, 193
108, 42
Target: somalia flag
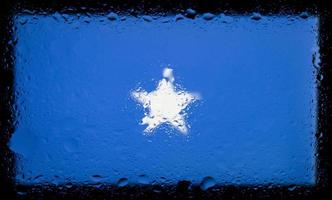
126, 100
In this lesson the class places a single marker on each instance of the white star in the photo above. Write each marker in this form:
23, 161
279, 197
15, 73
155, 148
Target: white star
166, 104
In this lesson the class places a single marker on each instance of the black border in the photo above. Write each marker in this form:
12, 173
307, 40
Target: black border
183, 190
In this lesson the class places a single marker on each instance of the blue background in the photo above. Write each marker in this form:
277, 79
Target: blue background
255, 123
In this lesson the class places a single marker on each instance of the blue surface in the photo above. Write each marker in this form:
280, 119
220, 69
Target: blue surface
255, 123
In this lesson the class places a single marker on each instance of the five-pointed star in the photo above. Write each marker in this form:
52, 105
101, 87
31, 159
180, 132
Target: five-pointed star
166, 104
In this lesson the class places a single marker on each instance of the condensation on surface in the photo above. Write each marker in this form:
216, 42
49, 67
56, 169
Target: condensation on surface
77, 122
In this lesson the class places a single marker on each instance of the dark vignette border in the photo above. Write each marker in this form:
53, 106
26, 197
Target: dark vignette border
182, 190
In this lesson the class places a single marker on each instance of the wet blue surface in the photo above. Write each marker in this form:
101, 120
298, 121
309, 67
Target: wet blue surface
255, 122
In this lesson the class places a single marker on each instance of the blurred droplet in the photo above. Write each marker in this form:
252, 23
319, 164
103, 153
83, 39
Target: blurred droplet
178, 17
207, 183
166, 20
23, 21
147, 18
208, 16
143, 179
304, 15
292, 188
36, 178
21, 193
112, 16
96, 178
256, 16
122, 182
98, 185
190, 13
69, 185
157, 189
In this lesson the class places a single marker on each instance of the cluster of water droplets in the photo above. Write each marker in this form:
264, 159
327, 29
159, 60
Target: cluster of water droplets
114, 16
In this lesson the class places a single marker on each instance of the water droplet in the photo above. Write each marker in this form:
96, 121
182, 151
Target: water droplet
112, 16
96, 177
23, 22
21, 193
166, 20
37, 177
69, 185
147, 18
163, 179
98, 185
122, 182
207, 183
256, 16
157, 189
208, 16
292, 188
190, 13
178, 17
143, 179
304, 15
